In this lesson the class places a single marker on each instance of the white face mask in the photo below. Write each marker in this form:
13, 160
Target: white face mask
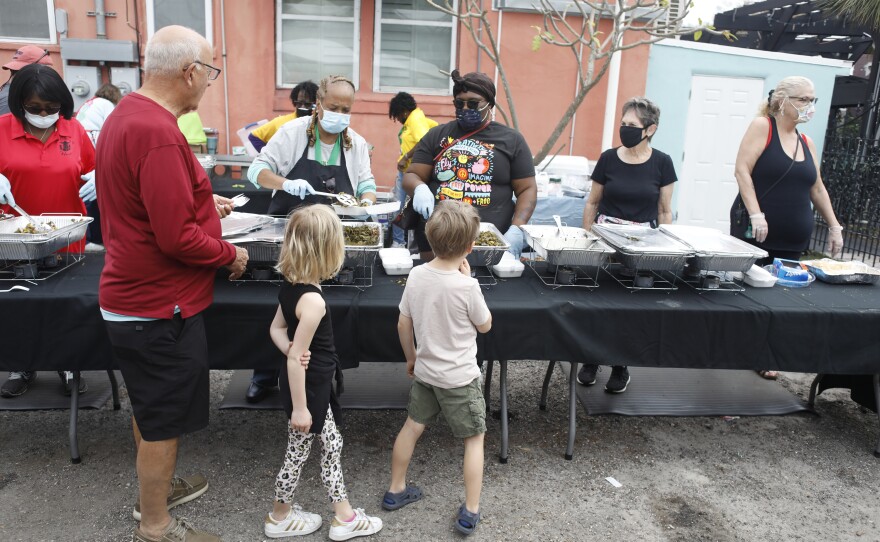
333, 122
41, 122
805, 114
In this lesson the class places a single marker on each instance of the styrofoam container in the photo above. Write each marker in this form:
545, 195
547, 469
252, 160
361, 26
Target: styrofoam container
397, 267
507, 269
759, 277
573, 171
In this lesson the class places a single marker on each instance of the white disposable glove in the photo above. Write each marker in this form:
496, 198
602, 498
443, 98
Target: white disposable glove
298, 187
87, 192
514, 236
834, 245
5, 191
366, 202
423, 201
759, 227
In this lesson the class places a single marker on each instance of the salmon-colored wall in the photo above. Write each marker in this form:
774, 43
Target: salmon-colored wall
542, 82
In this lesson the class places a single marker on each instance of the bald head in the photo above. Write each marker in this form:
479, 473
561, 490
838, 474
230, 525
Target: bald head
171, 49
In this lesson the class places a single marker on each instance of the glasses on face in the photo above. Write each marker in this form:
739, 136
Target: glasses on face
804, 100
213, 73
304, 105
471, 104
37, 109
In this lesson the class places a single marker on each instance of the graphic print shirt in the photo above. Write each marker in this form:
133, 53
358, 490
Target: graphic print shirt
477, 170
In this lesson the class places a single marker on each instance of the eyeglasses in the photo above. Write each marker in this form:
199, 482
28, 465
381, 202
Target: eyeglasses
304, 105
804, 99
213, 73
37, 109
471, 104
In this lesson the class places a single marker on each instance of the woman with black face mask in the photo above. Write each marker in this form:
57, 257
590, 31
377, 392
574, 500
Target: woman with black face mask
475, 160
632, 184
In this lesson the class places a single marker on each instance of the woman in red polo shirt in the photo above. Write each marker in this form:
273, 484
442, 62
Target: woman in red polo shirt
44, 157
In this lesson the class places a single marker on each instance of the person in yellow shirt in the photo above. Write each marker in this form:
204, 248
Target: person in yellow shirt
191, 126
303, 97
403, 109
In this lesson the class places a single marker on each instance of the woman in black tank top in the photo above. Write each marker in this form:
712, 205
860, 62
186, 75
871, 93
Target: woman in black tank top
777, 171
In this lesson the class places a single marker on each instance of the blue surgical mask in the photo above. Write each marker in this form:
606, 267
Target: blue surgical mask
469, 119
334, 122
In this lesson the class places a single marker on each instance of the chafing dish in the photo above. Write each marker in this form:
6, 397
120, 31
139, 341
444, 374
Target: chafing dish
483, 255
643, 248
34, 246
714, 250
575, 246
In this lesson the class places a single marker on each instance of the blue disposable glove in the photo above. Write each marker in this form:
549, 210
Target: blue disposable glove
5, 191
87, 192
514, 236
298, 187
423, 201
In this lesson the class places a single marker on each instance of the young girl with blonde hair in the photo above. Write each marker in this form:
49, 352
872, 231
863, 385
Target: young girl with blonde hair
313, 250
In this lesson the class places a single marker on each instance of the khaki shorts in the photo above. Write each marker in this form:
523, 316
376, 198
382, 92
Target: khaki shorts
463, 408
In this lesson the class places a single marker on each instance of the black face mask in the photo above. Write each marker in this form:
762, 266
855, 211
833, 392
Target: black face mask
303, 112
630, 136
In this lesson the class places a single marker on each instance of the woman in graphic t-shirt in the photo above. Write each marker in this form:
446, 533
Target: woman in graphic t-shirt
632, 184
474, 160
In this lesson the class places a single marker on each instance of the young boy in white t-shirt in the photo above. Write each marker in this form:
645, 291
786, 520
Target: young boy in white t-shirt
442, 310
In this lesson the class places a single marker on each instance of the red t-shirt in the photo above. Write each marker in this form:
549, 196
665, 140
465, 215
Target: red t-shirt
158, 219
45, 177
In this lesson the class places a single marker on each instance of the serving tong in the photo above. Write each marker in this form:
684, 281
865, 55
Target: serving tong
38, 225
345, 199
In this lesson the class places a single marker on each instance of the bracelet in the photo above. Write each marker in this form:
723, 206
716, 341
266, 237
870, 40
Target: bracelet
835, 229
757, 215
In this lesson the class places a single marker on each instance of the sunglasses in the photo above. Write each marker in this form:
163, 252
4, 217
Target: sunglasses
471, 104
304, 105
37, 109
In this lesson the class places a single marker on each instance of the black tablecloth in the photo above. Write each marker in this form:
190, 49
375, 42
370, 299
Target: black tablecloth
822, 328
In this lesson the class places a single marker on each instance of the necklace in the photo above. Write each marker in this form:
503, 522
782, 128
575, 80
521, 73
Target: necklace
42, 136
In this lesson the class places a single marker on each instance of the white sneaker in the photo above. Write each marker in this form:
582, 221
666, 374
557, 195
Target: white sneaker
361, 525
298, 522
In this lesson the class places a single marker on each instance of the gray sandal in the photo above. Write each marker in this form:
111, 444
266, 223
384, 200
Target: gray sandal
396, 501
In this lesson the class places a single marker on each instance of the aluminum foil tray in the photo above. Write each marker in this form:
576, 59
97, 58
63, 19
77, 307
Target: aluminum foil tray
485, 255
576, 246
644, 248
834, 272
33, 246
714, 250
239, 223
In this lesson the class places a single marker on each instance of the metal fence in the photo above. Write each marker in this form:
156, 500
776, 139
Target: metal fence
851, 172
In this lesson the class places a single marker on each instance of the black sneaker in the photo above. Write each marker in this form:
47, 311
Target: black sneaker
618, 380
17, 383
68, 383
587, 375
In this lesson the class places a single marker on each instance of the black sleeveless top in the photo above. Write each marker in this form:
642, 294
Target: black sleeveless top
787, 207
323, 365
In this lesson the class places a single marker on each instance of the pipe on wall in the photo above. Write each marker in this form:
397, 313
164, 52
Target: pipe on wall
100, 20
225, 74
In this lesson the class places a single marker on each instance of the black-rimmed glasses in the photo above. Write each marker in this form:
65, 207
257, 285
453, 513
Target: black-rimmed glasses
213, 73
471, 104
37, 109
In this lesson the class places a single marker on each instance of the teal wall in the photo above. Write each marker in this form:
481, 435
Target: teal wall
671, 67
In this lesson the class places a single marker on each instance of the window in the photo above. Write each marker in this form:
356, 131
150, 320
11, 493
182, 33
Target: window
316, 38
195, 14
414, 41
27, 21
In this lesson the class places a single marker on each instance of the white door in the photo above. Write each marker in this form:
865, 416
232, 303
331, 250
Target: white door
720, 110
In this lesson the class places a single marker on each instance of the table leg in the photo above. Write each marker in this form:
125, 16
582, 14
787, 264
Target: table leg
487, 383
502, 384
811, 402
114, 388
877, 400
572, 410
74, 410
543, 403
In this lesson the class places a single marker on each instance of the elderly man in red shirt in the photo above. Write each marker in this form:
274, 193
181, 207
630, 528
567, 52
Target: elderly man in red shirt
163, 240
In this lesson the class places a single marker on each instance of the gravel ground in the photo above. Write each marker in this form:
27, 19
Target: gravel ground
797, 477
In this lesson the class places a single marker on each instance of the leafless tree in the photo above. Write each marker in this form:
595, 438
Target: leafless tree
577, 29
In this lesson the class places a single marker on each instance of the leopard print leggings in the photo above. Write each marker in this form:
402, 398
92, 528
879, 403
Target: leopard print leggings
299, 445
